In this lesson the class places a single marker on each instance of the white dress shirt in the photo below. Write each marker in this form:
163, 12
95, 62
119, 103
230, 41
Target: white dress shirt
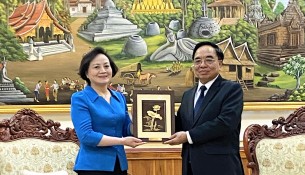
197, 94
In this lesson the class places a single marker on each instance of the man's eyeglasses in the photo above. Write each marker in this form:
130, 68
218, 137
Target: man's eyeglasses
207, 61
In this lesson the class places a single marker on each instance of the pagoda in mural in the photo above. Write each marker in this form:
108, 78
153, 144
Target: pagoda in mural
153, 6
35, 21
227, 12
108, 24
282, 38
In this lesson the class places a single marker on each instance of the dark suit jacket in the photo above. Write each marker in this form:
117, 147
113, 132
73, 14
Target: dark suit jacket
214, 132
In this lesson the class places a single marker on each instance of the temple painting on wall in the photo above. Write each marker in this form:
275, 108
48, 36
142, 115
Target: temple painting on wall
151, 41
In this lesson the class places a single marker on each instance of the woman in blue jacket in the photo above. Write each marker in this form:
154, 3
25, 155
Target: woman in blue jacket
100, 118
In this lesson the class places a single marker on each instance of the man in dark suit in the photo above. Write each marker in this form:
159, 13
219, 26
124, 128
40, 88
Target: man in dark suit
210, 135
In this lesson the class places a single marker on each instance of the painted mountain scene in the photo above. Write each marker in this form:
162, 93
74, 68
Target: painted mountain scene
151, 41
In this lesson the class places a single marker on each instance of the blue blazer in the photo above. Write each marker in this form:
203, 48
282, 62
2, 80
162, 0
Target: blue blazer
215, 132
93, 117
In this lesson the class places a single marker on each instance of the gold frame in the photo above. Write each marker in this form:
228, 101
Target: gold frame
248, 106
150, 104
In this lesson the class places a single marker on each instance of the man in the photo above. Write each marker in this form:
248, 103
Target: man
210, 137
36, 91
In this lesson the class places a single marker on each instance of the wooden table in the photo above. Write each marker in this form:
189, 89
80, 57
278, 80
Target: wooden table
159, 159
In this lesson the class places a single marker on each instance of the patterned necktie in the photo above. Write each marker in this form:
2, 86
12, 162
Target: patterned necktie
199, 101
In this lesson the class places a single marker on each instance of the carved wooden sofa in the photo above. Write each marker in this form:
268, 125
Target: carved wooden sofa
29, 143
279, 149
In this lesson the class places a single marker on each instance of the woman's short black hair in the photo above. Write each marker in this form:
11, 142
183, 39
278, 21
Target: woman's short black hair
88, 57
218, 51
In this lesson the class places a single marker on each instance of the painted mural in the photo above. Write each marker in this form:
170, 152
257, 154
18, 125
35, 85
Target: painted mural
42, 43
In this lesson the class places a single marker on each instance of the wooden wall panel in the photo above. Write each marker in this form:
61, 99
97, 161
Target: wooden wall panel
160, 161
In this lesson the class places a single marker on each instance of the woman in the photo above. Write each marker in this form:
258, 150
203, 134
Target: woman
100, 118
47, 89
55, 87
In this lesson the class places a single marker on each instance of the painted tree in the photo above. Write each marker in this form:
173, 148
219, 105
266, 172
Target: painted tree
271, 3
9, 46
194, 11
279, 8
126, 6
302, 5
267, 10
295, 67
246, 4
271, 9
240, 33
6, 8
3, 17
64, 19
184, 12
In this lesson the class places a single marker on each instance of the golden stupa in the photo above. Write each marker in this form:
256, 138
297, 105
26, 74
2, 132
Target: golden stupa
153, 6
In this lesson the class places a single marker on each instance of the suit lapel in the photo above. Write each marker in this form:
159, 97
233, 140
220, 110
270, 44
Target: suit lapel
208, 97
190, 104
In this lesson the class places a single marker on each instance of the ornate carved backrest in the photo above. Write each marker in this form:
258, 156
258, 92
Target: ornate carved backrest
26, 123
28, 142
279, 149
